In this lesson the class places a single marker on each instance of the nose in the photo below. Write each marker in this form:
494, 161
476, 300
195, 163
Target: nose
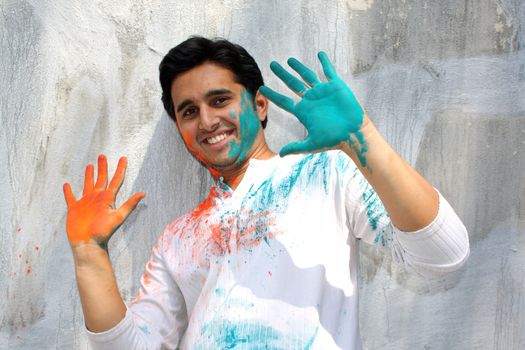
209, 119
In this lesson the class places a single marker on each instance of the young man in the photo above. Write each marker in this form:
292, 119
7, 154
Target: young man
268, 260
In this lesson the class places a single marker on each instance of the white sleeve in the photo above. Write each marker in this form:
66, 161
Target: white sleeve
155, 319
440, 247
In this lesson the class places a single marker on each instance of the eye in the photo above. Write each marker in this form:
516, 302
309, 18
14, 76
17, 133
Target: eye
189, 112
219, 101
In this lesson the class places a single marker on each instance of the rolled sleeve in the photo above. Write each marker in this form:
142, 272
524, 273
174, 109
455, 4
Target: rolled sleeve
440, 247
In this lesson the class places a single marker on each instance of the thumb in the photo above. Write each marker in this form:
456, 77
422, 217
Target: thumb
128, 206
303, 146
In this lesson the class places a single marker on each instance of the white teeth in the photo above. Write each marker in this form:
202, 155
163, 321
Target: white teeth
215, 139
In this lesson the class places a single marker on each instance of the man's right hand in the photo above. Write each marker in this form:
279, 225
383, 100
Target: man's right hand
93, 219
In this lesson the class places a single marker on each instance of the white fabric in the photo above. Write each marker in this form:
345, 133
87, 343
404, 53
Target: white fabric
273, 264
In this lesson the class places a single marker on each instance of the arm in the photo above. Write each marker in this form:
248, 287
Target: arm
157, 317
411, 202
334, 119
102, 304
90, 223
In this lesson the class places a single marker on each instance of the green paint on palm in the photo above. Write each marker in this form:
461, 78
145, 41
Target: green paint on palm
329, 110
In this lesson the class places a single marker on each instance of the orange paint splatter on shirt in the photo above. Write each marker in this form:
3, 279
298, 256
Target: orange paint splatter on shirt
146, 276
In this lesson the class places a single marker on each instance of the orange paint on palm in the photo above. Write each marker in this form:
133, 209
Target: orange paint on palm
94, 218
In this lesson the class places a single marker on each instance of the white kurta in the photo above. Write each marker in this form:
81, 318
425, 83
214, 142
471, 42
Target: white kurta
273, 264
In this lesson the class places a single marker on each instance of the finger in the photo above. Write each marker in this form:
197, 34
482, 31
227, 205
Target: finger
306, 73
302, 146
102, 176
328, 68
118, 178
282, 101
88, 179
126, 208
292, 82
68, 195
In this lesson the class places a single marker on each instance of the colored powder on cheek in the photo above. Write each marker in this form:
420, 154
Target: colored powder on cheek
248, 129
187, 137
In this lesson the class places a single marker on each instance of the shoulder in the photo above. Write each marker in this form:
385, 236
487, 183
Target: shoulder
174, 231
331, 158
333, 161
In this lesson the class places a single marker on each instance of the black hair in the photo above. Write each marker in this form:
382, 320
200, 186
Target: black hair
195, 51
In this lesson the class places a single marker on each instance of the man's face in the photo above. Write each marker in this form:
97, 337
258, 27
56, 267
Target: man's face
216, 116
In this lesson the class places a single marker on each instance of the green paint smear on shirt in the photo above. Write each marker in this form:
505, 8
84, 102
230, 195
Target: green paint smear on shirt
224, 334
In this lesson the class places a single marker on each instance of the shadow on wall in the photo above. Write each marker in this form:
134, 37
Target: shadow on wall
174, 182
477, 162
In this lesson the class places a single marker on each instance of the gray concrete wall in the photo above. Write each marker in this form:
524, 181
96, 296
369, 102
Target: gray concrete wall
443, 80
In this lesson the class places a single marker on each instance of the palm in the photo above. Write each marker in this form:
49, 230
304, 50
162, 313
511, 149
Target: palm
329, 111
321, 111
94, 218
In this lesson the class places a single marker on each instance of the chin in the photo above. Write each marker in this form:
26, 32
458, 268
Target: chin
224, 164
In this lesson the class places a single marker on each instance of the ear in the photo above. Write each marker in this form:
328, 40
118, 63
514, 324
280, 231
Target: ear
261, 105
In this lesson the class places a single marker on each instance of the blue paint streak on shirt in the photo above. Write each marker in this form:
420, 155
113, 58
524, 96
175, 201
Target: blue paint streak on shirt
145, 329
224, 334
375, 211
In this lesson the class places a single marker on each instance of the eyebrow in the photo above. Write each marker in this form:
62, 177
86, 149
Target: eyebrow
209, 94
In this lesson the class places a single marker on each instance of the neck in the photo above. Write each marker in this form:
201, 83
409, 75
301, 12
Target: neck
233, 176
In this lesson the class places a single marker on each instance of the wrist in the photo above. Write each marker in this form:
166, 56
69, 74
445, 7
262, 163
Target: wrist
90, 254
361, 142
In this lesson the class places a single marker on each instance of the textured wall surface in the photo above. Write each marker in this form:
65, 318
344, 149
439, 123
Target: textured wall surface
443, 80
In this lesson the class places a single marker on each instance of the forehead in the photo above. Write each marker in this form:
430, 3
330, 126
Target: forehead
194, 83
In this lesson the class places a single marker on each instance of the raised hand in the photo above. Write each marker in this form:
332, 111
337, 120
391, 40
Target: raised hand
328, 110
94, 218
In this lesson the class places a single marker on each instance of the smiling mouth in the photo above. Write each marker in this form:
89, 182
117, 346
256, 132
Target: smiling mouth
217, 138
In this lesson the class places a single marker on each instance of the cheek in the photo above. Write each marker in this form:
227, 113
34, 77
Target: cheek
190, 141
233, 116
186, 136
